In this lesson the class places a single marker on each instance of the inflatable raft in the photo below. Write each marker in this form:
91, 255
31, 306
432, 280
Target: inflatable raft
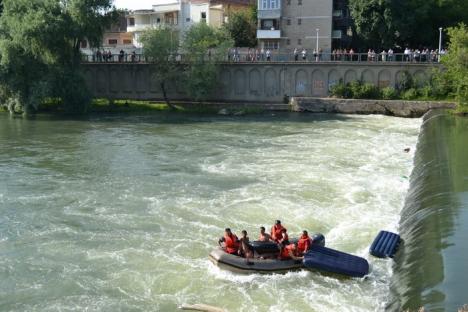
319, 257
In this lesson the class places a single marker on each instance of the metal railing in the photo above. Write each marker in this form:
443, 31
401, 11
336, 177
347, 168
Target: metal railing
277, 58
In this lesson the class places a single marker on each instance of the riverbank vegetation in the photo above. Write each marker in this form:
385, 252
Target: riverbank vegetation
40, 50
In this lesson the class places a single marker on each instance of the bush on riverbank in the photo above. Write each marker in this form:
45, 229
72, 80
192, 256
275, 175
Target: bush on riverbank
407, 89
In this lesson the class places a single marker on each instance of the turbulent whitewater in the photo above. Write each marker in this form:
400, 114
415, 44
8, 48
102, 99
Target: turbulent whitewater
119, 213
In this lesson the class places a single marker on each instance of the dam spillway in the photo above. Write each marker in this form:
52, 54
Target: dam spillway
431, 269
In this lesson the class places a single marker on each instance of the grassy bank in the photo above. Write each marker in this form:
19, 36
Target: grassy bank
148, 107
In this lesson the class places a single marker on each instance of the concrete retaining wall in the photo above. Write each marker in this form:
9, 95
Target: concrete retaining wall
251, 82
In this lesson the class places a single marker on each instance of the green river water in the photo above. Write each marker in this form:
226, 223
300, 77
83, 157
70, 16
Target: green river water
115, 213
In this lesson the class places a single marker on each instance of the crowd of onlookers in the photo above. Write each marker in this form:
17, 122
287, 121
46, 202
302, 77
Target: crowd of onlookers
107, 56
298, 54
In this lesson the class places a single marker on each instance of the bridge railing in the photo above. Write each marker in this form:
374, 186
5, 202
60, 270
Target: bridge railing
278, 58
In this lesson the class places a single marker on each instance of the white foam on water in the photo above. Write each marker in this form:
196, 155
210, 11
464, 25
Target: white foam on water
130, 225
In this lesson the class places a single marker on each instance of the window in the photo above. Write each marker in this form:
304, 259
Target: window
299, 41
187, 19
158, 20
203, 15
288, 2
131, 21
299, 21
299, 2
269, 4
127, 41
112, 41
272, 45
288, 22
288, 42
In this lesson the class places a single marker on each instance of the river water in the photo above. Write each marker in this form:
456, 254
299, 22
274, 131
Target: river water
117, 213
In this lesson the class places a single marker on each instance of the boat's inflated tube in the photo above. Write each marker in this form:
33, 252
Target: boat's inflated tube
335, 261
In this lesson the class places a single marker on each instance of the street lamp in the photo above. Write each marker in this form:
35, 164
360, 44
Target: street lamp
440, 43
317, 44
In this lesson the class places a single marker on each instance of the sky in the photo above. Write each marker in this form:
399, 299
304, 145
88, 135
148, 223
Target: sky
133, 4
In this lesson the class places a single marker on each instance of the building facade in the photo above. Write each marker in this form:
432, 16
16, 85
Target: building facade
181, 15
284, 25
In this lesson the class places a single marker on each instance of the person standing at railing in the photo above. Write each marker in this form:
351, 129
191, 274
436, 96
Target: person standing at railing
304, 54
351, 54
406, 54
383, 55
390, 55
268, 55
320, 51
262, 54
296, 54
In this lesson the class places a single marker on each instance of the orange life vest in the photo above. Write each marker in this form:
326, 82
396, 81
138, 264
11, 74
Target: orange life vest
285, 252
303, 244
231, 243
276, 232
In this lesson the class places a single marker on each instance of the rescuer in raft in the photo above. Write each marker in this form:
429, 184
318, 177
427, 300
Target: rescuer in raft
290, 252
276, 231
303, 245
231, 242
264, 237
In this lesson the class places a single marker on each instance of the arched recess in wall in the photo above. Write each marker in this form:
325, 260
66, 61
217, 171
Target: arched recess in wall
90, 80
153, 84
350, 76
101, 82
285, 82
367, 76
271, 83
127, 78
225, 83
333, 78
420, 78
141, 83
318, 83
115, 80
384, 78
239, 81
301, 83
255, 82
399, 79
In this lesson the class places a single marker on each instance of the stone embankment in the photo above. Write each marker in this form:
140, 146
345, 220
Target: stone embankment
397, 108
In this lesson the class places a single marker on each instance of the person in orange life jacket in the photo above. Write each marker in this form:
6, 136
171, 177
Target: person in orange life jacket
304, 243
284, 238
264, 237
290, 252
276, 231
231, 242
244, 249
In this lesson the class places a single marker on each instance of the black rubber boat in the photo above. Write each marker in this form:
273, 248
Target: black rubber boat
319, 257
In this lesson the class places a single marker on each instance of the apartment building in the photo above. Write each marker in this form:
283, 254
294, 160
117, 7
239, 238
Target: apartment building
284, 25
181, 14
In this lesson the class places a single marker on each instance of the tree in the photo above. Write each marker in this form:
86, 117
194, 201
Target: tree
456, 62
412, 23
242, 27
161, 47
373, 21
205, 47
40, 49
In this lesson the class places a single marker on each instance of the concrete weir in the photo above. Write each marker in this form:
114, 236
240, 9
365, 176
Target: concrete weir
397, 108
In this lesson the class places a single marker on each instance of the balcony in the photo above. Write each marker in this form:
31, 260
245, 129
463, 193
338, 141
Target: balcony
273, 13
268, 34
